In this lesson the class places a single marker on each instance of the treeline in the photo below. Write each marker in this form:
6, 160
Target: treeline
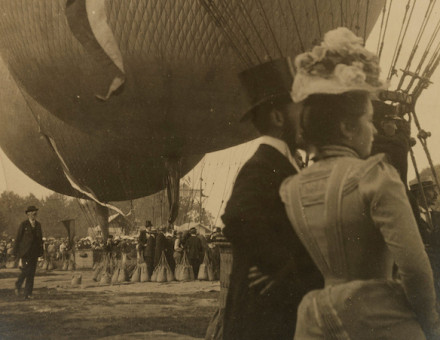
52, 210
57, 207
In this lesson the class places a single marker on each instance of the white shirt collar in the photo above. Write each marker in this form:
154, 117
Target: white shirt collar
282, 147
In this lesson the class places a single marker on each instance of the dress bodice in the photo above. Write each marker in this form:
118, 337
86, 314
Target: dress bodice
354, 218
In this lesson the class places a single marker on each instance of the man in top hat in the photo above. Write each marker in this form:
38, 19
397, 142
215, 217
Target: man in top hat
28, 248
150, 247
427, 219
393, 138
194, 250
265, 247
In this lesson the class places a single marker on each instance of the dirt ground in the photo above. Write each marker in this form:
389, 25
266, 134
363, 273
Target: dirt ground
149, 310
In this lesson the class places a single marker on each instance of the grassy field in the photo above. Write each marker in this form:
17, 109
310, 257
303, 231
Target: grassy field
91, 311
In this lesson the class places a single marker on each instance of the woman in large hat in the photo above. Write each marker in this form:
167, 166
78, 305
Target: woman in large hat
351, 210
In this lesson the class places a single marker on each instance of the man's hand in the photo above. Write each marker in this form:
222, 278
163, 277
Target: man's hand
259, 280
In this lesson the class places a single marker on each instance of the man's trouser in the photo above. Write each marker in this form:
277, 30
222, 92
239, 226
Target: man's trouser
28, 273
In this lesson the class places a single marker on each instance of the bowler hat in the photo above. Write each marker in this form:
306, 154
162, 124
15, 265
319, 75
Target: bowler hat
425, 185
31, 208
266, 82
148, 223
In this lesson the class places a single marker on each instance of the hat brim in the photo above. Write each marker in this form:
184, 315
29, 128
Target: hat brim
251, 112
306, 85
31, 210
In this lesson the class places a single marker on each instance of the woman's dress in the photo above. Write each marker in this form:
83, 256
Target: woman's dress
354, 218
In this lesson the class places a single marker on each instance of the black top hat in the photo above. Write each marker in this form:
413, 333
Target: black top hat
31, 208
148, 223
383, 111
425, 185
266, 82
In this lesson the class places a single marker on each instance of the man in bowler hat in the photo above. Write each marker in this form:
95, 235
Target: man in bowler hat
28, 248
271, 269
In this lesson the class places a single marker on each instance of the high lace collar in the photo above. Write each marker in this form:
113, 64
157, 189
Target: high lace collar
335, 151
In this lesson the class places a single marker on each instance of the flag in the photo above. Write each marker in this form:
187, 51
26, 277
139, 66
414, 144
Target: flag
87, 20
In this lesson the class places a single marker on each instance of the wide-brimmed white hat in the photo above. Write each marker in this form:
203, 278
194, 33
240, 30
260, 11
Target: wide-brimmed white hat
340, 64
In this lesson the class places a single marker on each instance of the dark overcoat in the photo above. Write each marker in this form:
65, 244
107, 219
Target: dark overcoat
29, 242
194, 248
261, 235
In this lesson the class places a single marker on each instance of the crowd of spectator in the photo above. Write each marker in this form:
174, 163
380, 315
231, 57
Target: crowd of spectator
150, 245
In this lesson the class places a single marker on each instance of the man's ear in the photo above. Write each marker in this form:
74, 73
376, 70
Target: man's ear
277, 118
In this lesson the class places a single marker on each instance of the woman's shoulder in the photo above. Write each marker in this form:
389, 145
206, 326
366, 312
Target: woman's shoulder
377, 164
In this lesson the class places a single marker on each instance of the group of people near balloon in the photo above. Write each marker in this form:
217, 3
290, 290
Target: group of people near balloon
333, 250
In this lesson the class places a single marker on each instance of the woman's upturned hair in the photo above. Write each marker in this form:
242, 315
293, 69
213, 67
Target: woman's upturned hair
323, 114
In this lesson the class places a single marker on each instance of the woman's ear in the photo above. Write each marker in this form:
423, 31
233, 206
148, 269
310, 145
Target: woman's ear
277, 118
348, 130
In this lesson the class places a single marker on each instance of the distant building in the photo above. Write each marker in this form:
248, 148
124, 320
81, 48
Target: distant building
118, 225
201, 229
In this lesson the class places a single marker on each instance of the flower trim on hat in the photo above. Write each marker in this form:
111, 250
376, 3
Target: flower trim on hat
340, 64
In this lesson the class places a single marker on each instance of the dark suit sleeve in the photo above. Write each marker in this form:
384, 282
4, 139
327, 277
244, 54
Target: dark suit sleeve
40, 240
18, 239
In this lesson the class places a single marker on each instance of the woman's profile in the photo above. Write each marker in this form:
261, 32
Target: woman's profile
351, 210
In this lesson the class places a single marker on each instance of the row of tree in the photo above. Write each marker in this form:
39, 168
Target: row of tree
56, 207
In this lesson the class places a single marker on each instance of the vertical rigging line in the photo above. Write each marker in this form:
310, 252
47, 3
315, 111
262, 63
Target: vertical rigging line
283, 15
244, 58
317, 18
416, 46
428, 72
385, 30
402, 34
269, 27
240, 27
252, 23
296, 26
428, 46
357, 14
332, 13
366, 21
341, 12
381, 26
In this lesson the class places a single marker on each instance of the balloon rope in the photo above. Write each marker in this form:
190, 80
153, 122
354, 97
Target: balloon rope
317, 18
269, 27
296, 26
239, 27
422, 136
341, 9
381, 41
248, 17
423, 25
427, 73
428, 46
332, 14
402, 34
356, 13
366, 21
222, 23
420, 187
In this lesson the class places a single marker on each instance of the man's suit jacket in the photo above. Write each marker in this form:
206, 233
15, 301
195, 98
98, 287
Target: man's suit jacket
261, 235
29, 243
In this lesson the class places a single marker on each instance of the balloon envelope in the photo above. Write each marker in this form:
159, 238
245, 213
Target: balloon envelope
181, 96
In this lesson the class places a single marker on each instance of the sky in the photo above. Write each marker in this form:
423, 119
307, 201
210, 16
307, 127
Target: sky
219, 169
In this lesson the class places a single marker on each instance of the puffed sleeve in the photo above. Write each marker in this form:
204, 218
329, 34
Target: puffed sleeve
384, 192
